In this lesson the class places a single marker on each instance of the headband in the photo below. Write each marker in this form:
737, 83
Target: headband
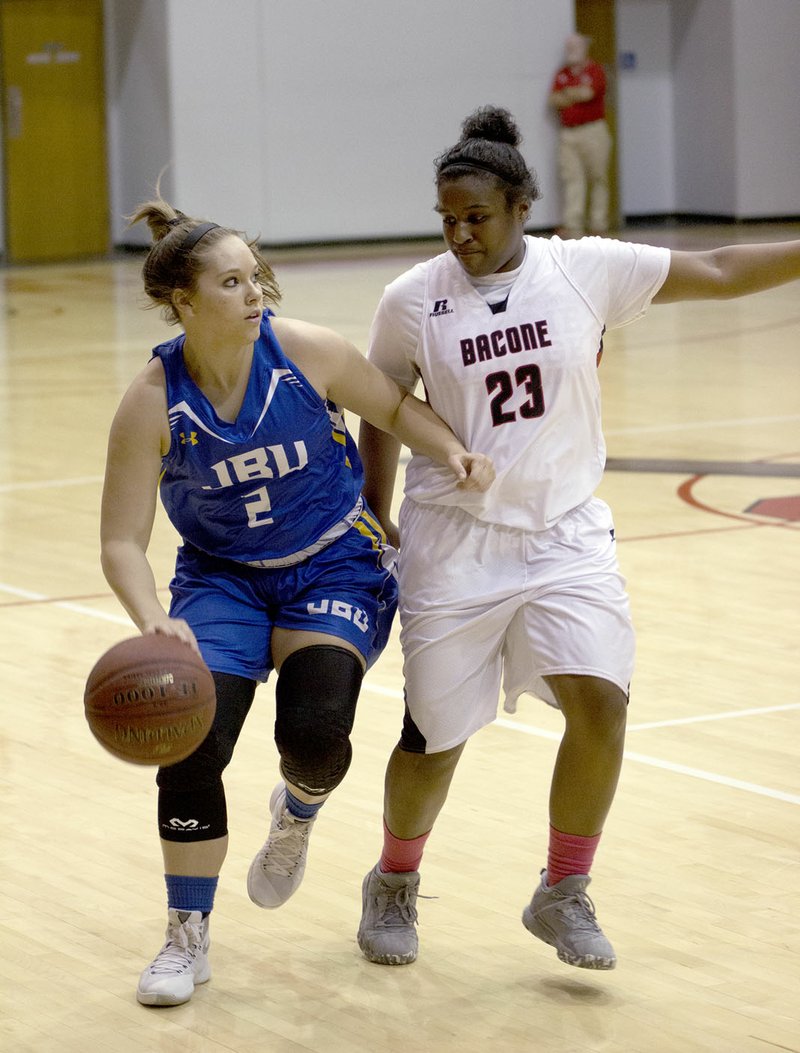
471, 164
196, 234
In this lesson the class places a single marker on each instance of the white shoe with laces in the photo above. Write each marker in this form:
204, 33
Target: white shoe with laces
387, 933
277, 870
563, 916
181, 964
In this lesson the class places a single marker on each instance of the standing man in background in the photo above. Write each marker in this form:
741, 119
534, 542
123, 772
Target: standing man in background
584, 148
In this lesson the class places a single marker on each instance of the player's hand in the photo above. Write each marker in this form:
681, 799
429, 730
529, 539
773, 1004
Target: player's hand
475, 471
172, 627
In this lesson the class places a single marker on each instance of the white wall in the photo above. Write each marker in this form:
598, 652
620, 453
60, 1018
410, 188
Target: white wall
313, 121
366, 115
708, 121
138, 103
645, 109
766, 37
217, 53
705, 110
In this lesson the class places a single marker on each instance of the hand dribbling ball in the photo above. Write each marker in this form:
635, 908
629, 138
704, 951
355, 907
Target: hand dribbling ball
150, 700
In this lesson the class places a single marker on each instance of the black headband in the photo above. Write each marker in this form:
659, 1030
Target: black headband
471, 164
195, 234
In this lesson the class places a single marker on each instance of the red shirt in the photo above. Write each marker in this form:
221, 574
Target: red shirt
591, 74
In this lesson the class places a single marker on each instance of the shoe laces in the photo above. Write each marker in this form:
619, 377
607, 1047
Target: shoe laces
396, 907
579, 908
180, 951
284, 848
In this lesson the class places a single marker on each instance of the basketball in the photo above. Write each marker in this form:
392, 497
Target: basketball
150, 700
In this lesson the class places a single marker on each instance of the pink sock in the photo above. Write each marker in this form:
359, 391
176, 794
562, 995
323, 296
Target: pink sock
569, 854
399, 856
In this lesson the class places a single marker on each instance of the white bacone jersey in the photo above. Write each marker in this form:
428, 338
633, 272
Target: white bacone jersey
516, 381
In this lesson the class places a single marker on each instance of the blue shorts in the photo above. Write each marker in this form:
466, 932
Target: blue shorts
349, 590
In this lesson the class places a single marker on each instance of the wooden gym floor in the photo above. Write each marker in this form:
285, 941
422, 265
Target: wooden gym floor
697, 881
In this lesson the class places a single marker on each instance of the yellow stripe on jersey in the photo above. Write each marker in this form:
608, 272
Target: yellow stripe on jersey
339, 436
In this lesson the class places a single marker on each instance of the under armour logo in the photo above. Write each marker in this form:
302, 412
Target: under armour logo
191, 439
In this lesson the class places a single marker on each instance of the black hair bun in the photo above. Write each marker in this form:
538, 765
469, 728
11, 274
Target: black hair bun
492, 123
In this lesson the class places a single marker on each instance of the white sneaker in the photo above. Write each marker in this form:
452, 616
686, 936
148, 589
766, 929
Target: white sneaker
180, 964
277, 870
563, 916
387, 933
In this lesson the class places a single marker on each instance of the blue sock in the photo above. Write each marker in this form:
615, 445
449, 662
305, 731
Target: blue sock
191, 893
299, 808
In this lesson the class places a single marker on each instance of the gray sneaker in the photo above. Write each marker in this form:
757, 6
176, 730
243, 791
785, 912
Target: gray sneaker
277, 870
564, 917
181, 963
386, 934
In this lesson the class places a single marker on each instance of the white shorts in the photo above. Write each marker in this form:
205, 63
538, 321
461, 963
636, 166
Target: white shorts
484, 606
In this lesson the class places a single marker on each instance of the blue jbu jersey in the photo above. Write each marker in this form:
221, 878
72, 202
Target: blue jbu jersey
271, 483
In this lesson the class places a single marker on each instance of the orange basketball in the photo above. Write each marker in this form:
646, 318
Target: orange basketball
150, 700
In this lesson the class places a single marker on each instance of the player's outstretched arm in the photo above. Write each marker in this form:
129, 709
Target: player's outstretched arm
730, 271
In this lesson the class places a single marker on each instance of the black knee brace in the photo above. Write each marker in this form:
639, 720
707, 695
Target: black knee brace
315, 706
191, 798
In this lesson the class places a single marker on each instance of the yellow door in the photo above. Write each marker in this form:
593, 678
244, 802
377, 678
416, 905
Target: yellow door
597, 19
54, 129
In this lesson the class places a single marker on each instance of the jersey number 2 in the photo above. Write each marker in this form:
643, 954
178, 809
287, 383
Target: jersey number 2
258, 507
500, 387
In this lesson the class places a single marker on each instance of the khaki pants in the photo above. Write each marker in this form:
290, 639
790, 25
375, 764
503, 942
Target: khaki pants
583, 156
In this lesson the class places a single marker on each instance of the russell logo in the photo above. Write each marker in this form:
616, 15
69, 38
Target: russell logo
440, 308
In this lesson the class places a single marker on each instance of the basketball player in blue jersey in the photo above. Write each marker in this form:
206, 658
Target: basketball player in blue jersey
505, 331
239, 423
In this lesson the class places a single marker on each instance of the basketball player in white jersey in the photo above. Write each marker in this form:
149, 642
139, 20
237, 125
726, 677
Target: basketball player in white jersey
517, 587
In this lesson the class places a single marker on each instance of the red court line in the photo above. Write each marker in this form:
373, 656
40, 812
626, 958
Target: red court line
686, 493
749, 525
